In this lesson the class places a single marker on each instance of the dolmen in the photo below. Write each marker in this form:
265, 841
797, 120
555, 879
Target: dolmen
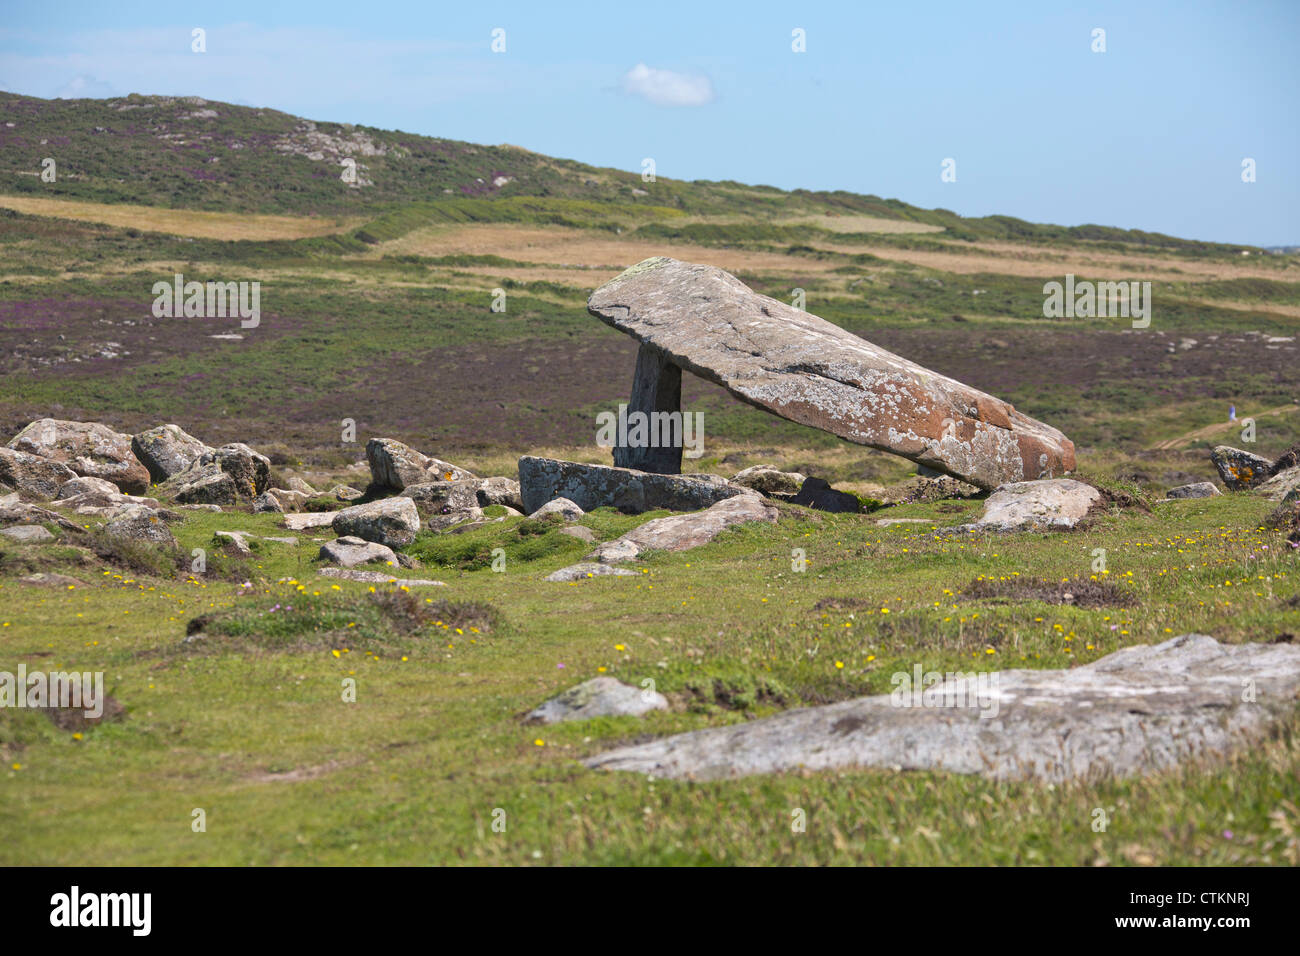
805, 369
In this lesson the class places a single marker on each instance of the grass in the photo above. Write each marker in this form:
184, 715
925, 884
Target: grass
250, 722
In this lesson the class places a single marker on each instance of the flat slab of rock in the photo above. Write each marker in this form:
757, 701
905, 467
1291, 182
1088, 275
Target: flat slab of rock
1200, 489
805, 369
598, 697
27, 534
389, 521
630, 491
683, 532
1136, 711
378, 577
587, 569
309, 521
87, 448
349, 552
1054, 505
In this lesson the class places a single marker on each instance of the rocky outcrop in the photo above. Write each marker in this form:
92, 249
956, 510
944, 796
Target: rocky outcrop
394, 465
167, 450
598, 697
633, 492
389, 521
805, 369
1138, 710
32, 476
87, 448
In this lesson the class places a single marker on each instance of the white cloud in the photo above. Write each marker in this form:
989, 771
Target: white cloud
666, 88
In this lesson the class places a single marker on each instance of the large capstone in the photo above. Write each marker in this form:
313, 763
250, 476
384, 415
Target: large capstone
805, 369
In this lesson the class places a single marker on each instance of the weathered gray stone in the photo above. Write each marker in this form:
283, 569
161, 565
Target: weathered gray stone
27, 534
769, 481
268, 503
395, 465
499, 491
1281, 486
302, 487
563, 507
389, 521
657, 399
579, 532
141, 524
87, 448
596, 486
810, 371
236, 542
167, 450
203, 483
598, 697
1200, 489
686, 531
587, 569
1240, 470
1139, 710
22, 513
286, 498
310, 520
350, 552
1057, 504
249, 470
77, 486
33, 476
43, 580
345, 493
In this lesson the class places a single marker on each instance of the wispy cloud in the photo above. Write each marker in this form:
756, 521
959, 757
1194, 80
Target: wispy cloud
667, 88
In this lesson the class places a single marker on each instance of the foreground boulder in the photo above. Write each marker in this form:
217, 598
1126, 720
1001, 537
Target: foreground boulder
1240, 470
598, 697
395, 465
87, 448
1138, 710
33, 476
389, 521
1055, 505
167, 450
598, 486
683, 532
348, 552
805, 369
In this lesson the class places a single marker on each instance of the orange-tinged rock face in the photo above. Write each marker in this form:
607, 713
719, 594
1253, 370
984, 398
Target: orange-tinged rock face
805, 369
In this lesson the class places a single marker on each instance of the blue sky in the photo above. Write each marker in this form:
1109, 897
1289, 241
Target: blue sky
1150, 134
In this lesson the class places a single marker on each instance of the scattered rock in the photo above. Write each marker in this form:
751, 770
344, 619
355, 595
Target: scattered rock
1056, 504
33, 476
167, 451
683, 532
21, 513
563, 507
769, 481
376, 577
390, 521
98, 487
205, 484
598, 697
579, 532
587, 569
500, 491
1200, 489
235, 541
345, 493
141, 524
27, 534
310, 520
395, 465
817, 493
268, 503
808, 370
350, 552
44, 580
1139, 710
1280, 486
87, 448
632, 492
924, 488
1240, 470
302, 487
888, 522
250, 471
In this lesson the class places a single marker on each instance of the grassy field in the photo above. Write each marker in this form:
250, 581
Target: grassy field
377, 307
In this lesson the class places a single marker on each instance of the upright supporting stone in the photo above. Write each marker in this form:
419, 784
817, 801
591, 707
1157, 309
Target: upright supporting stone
656, 388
